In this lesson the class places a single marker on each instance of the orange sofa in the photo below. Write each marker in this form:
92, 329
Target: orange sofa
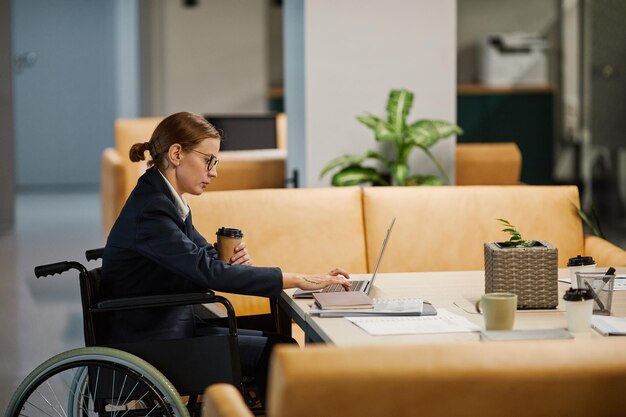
530, 378
488, 163
437, 228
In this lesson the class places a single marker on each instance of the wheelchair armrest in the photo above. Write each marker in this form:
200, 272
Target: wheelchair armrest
168, 300
154, 301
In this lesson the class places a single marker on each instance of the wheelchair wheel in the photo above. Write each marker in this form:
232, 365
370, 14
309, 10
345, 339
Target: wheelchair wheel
96, 381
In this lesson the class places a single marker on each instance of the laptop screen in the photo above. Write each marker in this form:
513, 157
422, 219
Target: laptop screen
380, 254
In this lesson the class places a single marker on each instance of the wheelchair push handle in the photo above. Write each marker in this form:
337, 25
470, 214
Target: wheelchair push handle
94, 254
58, 268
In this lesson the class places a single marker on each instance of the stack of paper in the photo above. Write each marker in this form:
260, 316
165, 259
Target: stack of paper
443, 322
609, 325
382, 307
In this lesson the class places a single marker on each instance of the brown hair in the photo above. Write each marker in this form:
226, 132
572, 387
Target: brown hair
185, 128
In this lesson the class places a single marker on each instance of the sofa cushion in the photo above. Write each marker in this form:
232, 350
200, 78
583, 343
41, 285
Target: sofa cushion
251, 169
530, 378
444, 228
604, 253
488, 164
300, 230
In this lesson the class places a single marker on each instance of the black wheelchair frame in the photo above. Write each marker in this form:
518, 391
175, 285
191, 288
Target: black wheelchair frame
103, 379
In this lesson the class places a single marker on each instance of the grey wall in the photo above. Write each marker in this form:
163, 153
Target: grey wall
7, 173
85, 76
65, 102
211, 58
354, 53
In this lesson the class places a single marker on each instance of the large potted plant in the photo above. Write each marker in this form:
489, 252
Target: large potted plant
528, 268
403, 137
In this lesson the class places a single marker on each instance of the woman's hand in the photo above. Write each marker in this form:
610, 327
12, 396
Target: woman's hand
241, 256
316, 281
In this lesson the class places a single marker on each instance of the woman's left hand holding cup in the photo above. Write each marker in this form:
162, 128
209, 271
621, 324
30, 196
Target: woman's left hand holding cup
241, 256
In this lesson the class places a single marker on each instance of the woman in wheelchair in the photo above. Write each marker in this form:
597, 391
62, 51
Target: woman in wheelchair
153, 248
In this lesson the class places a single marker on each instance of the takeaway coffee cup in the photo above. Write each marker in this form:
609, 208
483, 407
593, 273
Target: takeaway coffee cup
579, 309
580, 264
227, 240
498, 310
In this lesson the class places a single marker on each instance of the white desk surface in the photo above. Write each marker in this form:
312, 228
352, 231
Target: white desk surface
454, 291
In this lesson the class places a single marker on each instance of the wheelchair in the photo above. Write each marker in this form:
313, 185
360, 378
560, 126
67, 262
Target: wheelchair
133, 379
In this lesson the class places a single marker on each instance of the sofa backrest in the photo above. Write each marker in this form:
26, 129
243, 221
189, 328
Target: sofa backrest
249, 170
444, 228
300, 230
112, 197
238, 170
488, 163
127, 133
532, 378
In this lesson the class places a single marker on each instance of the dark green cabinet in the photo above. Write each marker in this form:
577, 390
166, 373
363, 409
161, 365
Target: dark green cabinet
523, 116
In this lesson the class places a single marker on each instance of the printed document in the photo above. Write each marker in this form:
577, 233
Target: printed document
443, 322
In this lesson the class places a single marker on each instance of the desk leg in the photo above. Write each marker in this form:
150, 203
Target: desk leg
311, 336
281, 317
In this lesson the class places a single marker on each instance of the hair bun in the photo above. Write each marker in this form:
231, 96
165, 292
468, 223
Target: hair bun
138, 150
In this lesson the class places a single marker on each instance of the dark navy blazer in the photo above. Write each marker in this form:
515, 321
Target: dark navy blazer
151, 250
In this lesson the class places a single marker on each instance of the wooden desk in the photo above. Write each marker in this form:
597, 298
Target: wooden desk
454, 291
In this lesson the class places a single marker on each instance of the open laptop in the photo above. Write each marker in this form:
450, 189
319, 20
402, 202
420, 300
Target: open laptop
357, 285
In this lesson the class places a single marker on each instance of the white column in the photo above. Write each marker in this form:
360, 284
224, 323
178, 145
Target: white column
343, 57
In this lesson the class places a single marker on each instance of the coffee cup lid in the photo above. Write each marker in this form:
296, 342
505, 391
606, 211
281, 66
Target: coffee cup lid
577, 294
229, 232
581, 261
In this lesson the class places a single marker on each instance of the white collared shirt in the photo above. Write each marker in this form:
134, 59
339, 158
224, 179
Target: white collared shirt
179, 201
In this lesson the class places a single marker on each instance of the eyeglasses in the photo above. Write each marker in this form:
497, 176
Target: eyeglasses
211, 160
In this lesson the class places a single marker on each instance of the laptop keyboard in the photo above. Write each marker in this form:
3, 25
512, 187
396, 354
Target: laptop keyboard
356, 286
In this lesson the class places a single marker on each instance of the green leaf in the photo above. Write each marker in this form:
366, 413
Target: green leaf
340, 161
595, 218
515, 238
505, 222
425, 133
591, 224
528, 243
437, 164
370, 120
375, 155
399, 172
355, 175
352, 160
398, 106
423, 180
510, 231
383, 132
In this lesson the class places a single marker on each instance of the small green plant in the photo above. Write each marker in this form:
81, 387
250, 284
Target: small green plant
515, 239
591, 219
403, 138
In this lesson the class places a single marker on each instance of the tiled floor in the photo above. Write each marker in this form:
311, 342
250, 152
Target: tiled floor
42, 317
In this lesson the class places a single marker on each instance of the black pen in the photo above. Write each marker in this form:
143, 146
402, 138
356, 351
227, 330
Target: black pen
607, 274
595, 296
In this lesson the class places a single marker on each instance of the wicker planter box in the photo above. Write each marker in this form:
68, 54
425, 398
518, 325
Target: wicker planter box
531, 273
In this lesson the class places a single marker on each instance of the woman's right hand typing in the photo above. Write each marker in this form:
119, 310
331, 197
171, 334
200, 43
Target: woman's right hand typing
316, 281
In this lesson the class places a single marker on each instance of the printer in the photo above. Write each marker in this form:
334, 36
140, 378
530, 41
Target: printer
513, 59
